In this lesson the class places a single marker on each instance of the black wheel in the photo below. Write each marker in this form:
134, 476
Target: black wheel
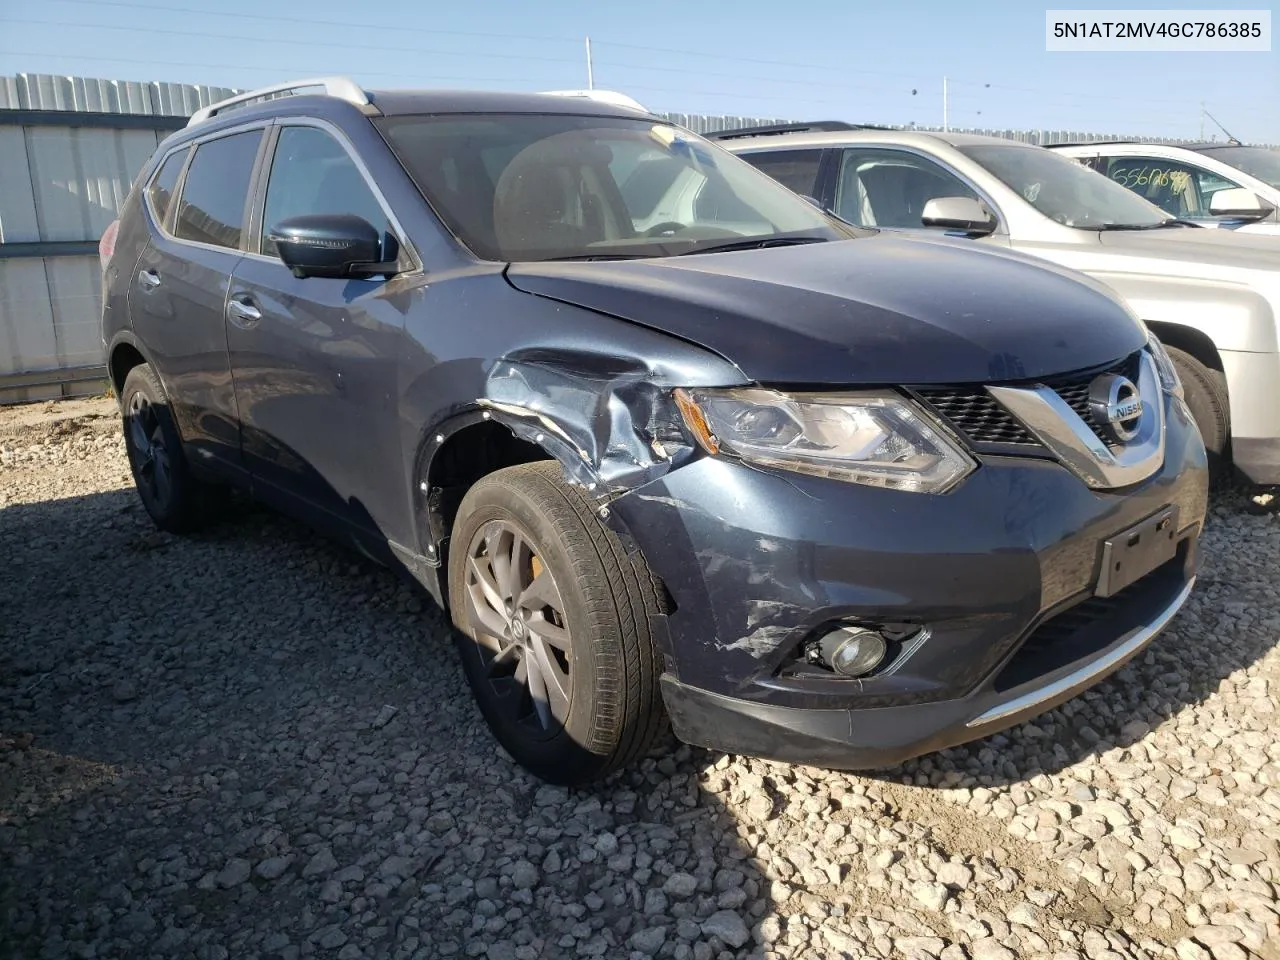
176, 501
553, 618
1206, 393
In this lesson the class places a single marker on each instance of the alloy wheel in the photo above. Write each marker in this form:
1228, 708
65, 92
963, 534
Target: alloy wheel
148, 454
517, 615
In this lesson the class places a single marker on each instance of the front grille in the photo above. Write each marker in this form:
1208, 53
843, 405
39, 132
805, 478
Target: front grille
1074, 390
975, 414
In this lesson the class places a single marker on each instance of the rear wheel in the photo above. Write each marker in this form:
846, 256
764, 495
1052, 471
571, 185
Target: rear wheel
554, 626
175, 500
1206, 393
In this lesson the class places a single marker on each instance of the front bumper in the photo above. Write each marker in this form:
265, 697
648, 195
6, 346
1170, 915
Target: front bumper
756, 561
885, 736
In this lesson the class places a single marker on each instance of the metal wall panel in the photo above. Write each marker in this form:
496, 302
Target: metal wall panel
81, 176
49, 322
44, 91
75, 290
184, 99
27, 339
708, 123
8, 93
18, 222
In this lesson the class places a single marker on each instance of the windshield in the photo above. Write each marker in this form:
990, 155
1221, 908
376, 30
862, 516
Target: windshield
1063, 190
1255, 161
544, 187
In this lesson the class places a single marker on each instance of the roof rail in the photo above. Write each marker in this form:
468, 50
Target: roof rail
341, 87
814, 126
603, 96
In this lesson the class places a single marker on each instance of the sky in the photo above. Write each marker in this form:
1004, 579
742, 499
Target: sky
858, 60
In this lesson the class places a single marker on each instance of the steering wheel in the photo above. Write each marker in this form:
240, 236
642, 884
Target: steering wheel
666, 228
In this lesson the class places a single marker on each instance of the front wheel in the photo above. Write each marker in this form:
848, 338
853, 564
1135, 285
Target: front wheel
1205, 390
553, 619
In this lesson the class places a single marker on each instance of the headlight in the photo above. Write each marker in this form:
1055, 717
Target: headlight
879, 439
1169, 380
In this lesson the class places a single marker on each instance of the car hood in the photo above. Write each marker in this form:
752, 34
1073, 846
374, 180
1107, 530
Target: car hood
1191, 245
877, 310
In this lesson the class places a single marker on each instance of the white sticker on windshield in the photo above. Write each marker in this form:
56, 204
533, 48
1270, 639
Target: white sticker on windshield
1032, 192
663, 134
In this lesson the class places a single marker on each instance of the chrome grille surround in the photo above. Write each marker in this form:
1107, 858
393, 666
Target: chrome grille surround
1076, 444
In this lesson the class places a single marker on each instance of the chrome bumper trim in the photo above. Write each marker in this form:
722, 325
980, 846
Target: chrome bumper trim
1089, 672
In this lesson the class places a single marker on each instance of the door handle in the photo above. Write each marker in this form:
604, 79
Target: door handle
243, 314
148, 279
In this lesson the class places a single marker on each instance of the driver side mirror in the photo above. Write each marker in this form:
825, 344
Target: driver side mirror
959, 213
1239, 204
331, 245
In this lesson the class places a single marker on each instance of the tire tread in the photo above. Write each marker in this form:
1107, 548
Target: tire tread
629, 715
1210, 386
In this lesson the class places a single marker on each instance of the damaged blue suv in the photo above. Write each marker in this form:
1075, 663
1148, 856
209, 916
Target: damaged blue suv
674, 448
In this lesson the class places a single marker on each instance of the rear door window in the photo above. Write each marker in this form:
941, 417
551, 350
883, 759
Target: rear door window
160, 189
797, 170
215, 190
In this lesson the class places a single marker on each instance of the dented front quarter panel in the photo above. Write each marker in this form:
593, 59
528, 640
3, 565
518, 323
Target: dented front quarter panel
592, 391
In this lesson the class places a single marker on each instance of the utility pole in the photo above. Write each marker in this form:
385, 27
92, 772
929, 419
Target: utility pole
591, 80
1202, 121
946, 127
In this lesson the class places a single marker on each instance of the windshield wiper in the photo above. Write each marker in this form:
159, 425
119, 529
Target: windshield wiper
596, 256
1158, 225
757, 243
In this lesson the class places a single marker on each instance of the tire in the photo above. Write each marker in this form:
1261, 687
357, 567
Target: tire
175, 500
1206, 395
596, 641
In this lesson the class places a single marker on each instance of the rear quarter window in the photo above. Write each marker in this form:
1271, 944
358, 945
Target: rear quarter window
163, 182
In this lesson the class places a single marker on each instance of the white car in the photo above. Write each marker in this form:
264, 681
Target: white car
1224, 185
1212, 296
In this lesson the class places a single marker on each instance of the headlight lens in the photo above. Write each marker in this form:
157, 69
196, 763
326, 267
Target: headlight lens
1169, 380
879, 439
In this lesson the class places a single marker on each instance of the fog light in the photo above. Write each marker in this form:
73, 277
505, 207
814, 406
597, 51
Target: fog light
853, 651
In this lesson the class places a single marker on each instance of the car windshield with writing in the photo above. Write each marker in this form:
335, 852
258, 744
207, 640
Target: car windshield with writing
554, 187
1255, 161
1065, 191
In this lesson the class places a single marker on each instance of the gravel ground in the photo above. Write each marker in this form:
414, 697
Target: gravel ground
255, 744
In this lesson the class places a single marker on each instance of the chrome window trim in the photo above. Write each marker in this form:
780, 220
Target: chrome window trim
192, 144
260, 199
1077, 447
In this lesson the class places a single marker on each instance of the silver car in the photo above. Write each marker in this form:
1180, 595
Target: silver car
1213, 296
1232, 186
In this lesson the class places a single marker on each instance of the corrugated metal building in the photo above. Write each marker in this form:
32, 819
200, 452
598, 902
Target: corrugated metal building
69, 150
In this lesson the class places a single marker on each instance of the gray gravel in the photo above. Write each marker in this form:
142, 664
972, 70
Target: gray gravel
255, 744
